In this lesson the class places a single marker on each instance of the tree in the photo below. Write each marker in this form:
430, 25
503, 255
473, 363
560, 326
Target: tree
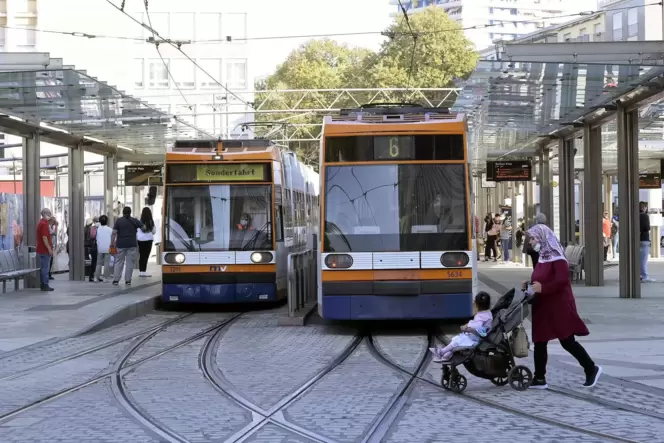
438, 52
441, 55
317, 64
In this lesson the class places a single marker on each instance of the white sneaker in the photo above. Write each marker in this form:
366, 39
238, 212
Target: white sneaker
648, 280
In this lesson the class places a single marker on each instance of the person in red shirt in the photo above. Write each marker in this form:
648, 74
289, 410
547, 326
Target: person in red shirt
44, 248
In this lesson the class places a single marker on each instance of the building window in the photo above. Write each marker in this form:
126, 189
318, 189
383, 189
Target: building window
598, 28
184, 73
26, 37
3, 31
632, 22
186, 113
617, 26
205, 120
235, 26
159, 22
208, 27
183, 25
236, 74
213, 67
567, 37
23, 6
159, 74
165, 108
139, 72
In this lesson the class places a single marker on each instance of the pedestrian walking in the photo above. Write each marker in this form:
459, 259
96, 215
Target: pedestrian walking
145, 237
644, 240
44, 249
104, 235
124, 241
53, 227
554, 314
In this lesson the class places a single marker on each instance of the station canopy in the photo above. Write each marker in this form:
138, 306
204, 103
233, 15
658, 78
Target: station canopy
68, 106
513, 107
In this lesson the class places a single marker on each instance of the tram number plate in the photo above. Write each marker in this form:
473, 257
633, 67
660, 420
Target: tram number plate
454, 274
174, 269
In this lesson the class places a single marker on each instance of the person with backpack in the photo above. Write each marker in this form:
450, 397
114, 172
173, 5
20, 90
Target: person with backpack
91, 245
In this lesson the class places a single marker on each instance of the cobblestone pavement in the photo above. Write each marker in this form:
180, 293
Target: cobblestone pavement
265, 364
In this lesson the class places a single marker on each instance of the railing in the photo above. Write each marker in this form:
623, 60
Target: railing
302, 281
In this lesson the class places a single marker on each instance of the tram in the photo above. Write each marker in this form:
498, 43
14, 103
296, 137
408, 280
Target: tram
396, 215
233, 211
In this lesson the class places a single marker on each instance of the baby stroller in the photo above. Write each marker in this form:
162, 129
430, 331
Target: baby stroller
493, 357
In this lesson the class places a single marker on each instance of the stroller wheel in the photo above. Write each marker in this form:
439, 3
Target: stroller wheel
520, 378
500, 381
445, 378
458, 383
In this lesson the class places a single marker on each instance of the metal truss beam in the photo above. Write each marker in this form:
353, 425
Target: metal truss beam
647, 53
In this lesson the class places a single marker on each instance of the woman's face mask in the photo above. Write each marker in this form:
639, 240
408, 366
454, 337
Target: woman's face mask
537, 247
244, 222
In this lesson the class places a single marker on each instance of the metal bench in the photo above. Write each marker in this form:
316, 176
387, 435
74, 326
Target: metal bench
13, 268
574, 255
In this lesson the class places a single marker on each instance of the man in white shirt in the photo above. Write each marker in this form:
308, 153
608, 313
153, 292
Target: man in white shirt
104, 234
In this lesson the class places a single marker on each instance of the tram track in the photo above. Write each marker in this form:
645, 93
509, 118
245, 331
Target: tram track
273, 415
546, 420
388, 417
121, 365
93, 349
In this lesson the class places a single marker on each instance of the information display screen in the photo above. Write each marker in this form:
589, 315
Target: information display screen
218, 172
513, 170
143, 175
650, 181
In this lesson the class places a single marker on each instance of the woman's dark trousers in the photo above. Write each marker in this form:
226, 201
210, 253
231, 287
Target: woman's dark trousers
570, 345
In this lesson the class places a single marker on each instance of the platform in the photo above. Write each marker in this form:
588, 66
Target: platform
29, 316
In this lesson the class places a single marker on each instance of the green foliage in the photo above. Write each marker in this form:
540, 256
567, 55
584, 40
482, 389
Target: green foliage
442, 54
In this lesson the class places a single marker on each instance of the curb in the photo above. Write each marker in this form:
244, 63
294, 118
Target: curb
120, 315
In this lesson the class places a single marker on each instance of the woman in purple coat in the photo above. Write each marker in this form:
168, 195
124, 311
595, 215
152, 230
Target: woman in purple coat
554, 309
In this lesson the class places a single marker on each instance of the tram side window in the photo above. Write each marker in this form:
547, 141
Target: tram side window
279, 228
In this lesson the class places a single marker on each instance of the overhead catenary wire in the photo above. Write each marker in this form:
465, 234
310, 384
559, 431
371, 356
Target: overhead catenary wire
414, 35
327, 35
168, 71
178, 47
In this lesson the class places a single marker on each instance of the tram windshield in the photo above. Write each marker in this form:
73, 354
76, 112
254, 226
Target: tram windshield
218, 218
396, 207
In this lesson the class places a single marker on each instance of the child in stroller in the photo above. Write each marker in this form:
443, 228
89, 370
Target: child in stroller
492, 357
471, 332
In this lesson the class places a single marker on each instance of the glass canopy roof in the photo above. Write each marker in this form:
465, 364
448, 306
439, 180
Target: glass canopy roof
77, 103
511, 106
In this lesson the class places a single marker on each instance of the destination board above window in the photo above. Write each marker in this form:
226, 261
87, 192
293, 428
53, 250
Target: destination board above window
394, 148
650, 181
218, 172
509, 171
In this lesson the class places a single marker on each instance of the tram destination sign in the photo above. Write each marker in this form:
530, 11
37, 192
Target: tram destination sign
143, 175
509, 171
650, 181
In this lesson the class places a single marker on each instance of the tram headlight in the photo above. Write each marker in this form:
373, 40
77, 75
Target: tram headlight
175, 259
339, 261
261, 257
454, 259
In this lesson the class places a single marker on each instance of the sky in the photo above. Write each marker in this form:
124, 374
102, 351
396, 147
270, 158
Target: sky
300, 17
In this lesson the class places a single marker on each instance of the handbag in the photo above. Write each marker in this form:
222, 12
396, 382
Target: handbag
112, 250
520, 342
